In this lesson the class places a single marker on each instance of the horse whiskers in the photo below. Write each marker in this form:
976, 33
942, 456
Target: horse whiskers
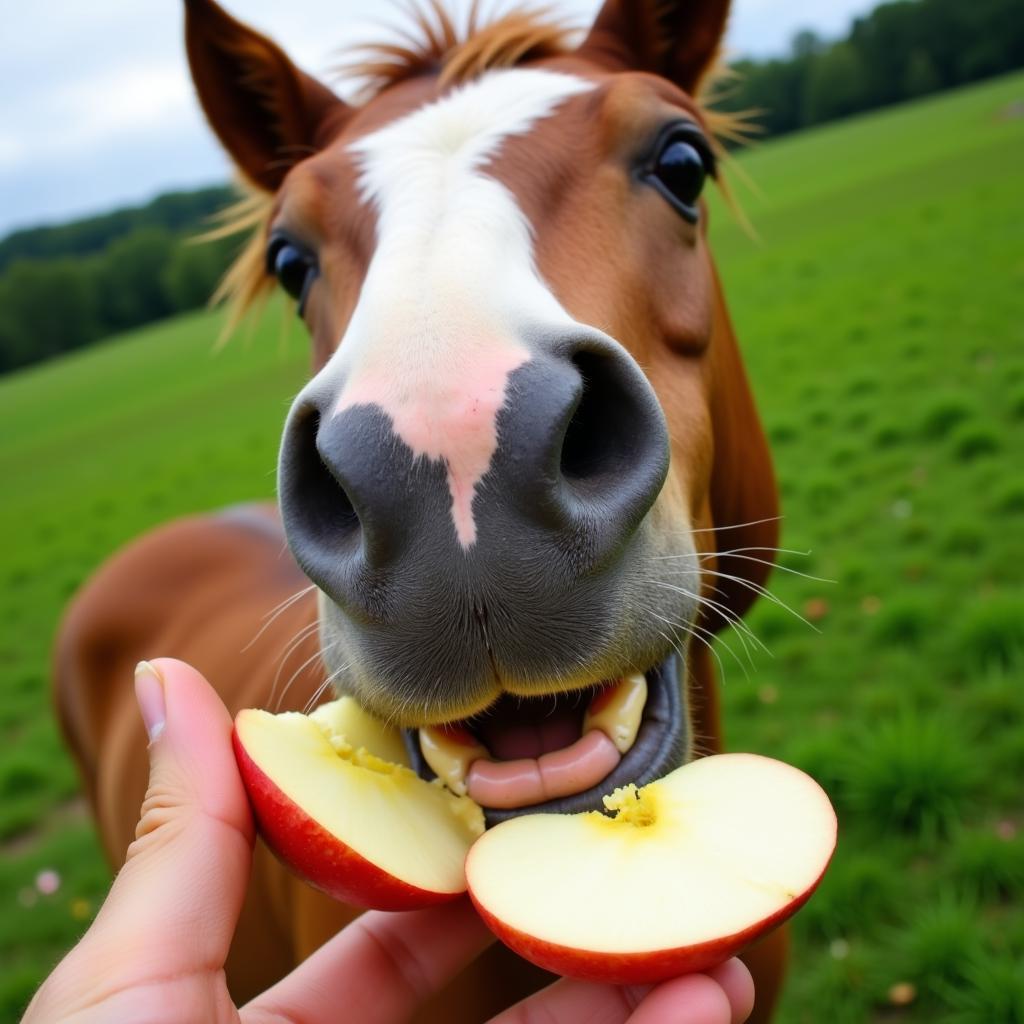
749, 585
743, 631
737, 526
697, 747
714, 590
731, 551
678, 647
393, 717
406, 710
317, 694
756, 547
724, 610
710, 637
701, 556
702, 749
707, 638
289, 649
322, 688
775, 565
288, 601
762, 592
309, 661
696, 560
277, 610
297, 638
702, 634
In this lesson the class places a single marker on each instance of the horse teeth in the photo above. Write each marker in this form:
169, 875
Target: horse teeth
450, 750
617, 711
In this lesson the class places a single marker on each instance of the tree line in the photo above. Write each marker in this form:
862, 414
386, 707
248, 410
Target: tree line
63, 287
898, 51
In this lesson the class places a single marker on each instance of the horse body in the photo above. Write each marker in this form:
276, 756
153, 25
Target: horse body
527, 419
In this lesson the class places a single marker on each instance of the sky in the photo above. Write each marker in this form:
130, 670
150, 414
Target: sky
98, 110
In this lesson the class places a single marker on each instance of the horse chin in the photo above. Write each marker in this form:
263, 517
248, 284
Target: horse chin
662, 743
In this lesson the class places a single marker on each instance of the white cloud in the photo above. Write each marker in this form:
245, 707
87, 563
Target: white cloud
118, 99
12, 151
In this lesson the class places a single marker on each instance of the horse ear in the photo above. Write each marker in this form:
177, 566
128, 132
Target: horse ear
676, 39
266, 112
743, 494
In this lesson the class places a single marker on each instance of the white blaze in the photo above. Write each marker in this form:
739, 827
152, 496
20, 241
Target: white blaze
452, 283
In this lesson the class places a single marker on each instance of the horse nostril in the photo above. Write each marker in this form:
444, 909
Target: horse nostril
599, 438
614, 441
314, 499
586, 448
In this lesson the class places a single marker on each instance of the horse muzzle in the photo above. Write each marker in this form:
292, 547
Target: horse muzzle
427, 620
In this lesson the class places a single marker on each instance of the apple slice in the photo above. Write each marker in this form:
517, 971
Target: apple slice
363, 829
344, 721
690, 870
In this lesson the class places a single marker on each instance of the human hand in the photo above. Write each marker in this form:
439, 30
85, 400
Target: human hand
156, 951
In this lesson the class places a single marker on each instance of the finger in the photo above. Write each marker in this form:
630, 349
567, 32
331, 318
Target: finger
175, 903
568, 1002
693, 999
738, 985
380, 968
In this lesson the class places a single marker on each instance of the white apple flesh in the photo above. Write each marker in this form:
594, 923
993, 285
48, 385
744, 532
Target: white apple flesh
677, 877
365, 830
690, 870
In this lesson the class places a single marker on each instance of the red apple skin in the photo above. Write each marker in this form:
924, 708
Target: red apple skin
319, 857
645, 968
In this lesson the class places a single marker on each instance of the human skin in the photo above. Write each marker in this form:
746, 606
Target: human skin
156, 950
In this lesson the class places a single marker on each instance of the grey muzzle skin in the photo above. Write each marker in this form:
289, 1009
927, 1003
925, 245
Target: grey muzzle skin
429, 630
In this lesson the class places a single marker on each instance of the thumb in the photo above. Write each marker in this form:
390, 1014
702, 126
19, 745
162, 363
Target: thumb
176, 901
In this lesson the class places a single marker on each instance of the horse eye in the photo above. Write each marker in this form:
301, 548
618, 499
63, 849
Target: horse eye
679, 171
295, 267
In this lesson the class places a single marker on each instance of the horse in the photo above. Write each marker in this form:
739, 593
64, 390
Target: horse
527, 460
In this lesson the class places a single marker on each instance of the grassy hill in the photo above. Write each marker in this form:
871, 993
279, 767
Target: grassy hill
882, 315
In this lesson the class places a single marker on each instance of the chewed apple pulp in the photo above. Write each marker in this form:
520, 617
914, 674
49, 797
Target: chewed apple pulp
688, 871
363, 829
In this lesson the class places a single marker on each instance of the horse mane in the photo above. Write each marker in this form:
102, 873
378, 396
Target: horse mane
433, 45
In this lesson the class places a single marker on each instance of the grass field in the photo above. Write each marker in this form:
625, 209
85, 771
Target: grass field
882, 316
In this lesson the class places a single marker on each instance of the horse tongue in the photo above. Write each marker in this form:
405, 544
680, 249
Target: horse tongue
509, 738
531, 780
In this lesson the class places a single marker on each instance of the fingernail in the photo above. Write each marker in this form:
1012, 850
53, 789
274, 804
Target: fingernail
149, 692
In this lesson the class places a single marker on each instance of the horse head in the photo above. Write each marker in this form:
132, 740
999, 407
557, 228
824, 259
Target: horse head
528, 420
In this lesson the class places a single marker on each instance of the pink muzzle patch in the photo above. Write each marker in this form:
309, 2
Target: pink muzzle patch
450, 416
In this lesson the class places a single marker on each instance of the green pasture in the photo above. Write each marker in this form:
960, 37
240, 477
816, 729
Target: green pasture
882, 315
